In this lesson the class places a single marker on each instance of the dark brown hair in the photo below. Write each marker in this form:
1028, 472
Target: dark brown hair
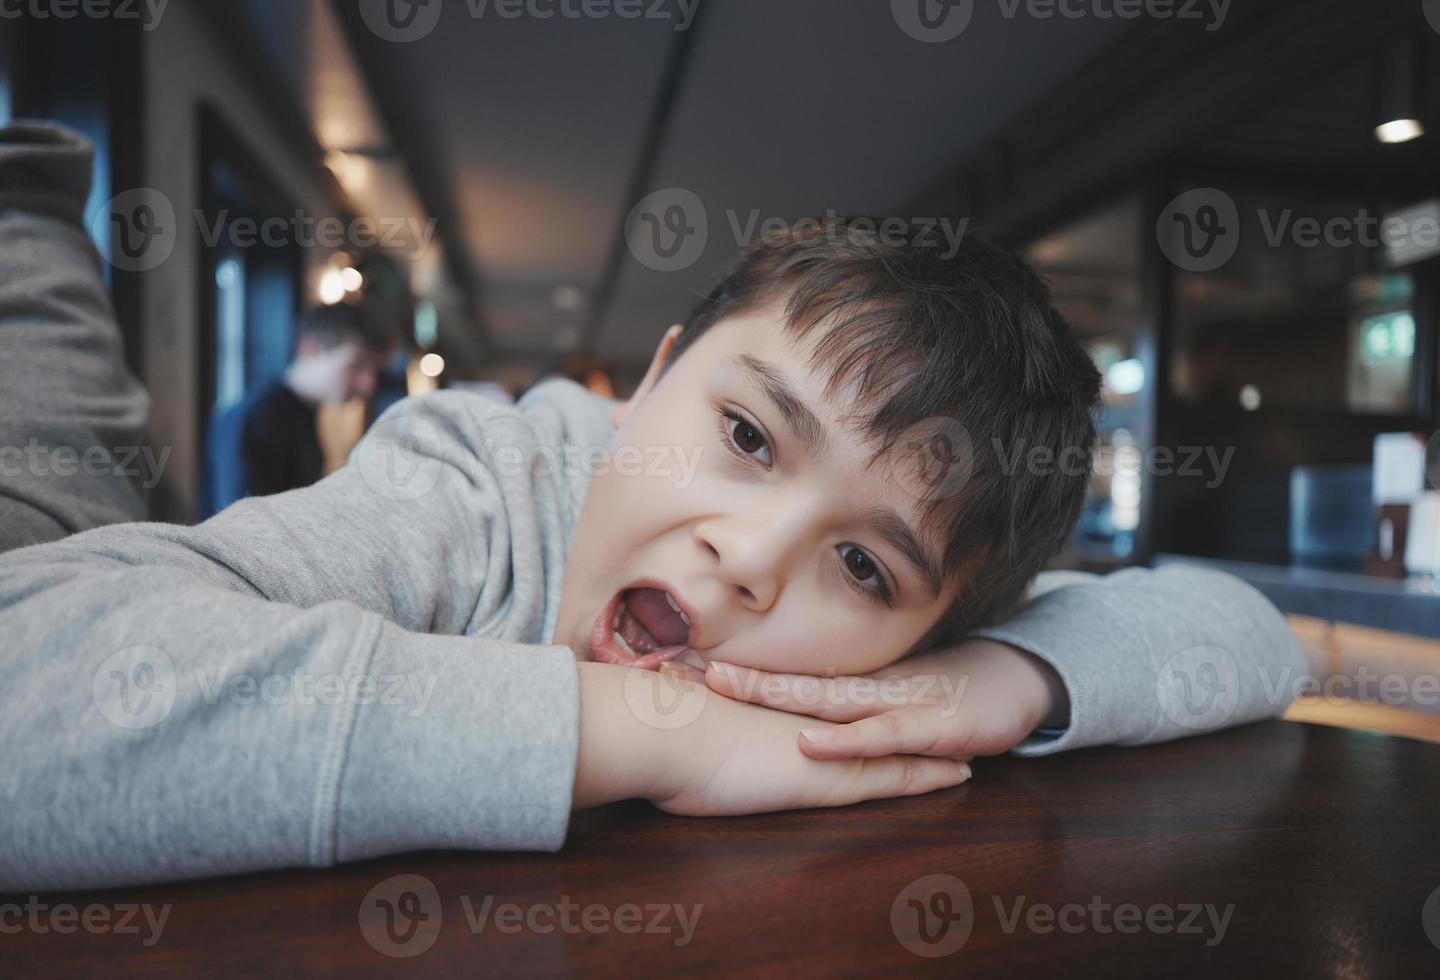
931, 336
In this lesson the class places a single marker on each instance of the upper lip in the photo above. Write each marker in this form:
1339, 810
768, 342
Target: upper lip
674, 593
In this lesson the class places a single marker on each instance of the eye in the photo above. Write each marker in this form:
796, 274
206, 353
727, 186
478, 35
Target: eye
744, 438
862, 570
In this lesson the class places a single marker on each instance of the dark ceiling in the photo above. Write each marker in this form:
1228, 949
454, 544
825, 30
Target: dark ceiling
530, 139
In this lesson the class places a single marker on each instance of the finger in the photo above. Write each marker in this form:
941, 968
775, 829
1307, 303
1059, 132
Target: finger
838, 699
904, 775
907, 731
684, 672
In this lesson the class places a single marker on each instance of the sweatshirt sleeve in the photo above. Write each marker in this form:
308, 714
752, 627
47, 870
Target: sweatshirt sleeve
304, 679
71, 415
1149, 655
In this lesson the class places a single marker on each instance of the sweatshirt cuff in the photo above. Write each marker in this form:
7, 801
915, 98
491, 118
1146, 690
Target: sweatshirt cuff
1031, 634
473, 748
44, 169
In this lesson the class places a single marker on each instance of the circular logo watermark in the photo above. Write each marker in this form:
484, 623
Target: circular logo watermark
134, 688
663, 701
933, 916
1199, 230
401, 916
140, 227
392, 459
401, 21
668, 229
932, 21
1199, 687
1430, 918
934, 459
1432, 14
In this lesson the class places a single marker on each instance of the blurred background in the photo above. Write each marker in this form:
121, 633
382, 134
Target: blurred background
1237, 205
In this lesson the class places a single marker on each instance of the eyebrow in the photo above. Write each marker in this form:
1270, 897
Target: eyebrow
809, 430
792, 408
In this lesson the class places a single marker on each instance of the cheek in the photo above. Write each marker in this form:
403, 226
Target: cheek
823, 640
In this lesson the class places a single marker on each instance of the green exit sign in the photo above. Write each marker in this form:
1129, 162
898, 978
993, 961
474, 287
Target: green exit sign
1387, 338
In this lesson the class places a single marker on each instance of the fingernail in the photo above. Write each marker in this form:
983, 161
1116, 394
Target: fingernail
816, 734
727, 670
965, 772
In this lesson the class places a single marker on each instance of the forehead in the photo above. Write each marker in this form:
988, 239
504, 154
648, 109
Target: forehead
763, 335
736, 351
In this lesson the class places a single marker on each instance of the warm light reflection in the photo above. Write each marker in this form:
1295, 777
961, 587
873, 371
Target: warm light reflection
352, 171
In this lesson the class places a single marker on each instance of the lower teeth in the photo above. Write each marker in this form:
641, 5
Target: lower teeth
620, 642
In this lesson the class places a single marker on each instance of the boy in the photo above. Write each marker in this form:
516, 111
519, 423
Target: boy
435, 646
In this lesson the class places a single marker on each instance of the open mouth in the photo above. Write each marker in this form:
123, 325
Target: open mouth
642, 626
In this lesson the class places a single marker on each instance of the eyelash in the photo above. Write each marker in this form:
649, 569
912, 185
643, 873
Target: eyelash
726, 420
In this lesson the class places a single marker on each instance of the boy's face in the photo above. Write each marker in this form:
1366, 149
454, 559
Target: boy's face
756, 512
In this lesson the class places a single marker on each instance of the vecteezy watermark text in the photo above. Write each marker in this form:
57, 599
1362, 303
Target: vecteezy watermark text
1201, 230
148, 12
1125, 918
934, 916
308, 231
142, 227
402, 915
135, 462
63, 918
937, 21
406, 21
669, 229
137, 687
594, 918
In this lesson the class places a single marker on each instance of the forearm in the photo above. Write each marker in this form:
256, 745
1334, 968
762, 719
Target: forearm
1149, 655
155, 727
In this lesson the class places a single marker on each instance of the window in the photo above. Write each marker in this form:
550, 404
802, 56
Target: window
1094, 269
251, 293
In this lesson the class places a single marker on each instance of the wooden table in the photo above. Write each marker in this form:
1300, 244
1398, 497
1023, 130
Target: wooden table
1313, 848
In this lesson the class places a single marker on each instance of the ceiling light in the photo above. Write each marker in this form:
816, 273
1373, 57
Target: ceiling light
332, 287
567, 298
1399, 131
432, 365
1402, 88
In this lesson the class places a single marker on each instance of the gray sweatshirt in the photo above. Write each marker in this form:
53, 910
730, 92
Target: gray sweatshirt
367, 665
64, 388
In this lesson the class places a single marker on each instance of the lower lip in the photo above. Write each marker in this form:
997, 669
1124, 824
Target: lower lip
606, 650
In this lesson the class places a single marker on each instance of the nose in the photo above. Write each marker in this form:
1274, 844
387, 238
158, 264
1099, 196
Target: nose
753, 550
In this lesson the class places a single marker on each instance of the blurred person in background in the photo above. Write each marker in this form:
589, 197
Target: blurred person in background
271, 441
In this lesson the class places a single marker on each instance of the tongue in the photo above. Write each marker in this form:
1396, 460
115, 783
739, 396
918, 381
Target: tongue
650, 607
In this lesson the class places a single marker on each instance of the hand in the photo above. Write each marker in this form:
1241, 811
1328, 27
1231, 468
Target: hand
730, 758
980, 697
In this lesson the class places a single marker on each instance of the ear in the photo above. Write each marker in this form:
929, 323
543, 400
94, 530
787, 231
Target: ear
652, 374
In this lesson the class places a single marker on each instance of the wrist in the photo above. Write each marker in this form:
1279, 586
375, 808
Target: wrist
1037, 684
619, 756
